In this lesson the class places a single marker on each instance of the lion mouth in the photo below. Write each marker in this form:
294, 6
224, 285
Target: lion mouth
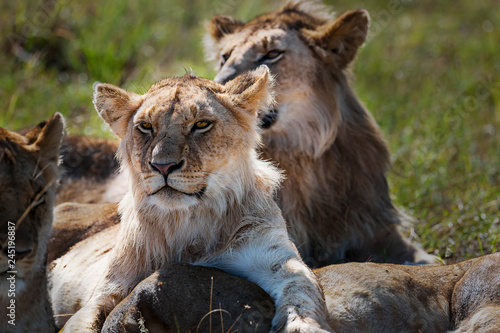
168, 188
269, 119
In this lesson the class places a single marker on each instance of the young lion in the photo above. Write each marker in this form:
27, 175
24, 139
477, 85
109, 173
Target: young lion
335, 196
28, 177
198, 194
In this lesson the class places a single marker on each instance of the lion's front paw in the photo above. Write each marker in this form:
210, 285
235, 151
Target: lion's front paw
85, 320
300, 325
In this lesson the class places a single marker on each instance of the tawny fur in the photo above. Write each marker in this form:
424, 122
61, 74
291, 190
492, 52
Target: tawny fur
90, 171
28, 178
215, 209
75, 222
385, 298
335, 196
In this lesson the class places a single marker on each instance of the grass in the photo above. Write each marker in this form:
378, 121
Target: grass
429, 73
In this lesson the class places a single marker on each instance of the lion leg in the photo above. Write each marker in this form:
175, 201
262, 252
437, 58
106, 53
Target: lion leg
267, 257
178, 298
88, 319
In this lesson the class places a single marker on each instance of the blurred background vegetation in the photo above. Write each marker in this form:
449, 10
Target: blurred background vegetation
430, 73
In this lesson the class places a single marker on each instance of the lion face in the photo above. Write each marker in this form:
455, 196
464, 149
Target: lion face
281, 50
181, 140
28, 171
301, 46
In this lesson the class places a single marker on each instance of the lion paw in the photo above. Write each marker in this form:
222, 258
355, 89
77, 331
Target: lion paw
300, 325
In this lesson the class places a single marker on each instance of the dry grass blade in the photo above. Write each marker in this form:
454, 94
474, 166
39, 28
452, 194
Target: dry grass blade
208, 314
238, 318
211, 294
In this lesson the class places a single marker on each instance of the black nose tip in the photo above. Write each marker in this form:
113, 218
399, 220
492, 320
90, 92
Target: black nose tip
167, 168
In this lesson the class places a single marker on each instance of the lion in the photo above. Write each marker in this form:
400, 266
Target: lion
385, 298
28, 179
335, 196
198, 194
360, 297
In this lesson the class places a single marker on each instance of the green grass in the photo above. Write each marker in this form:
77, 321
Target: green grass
430, 74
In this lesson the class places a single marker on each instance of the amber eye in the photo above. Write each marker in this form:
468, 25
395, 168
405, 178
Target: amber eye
271, 55
201, 125
145, 127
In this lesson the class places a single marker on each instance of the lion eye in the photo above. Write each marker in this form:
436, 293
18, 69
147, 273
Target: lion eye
271, 55
225, 57
145, 127
201, 125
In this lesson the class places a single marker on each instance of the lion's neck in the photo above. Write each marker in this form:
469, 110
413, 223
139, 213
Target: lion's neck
342, 191
162, 235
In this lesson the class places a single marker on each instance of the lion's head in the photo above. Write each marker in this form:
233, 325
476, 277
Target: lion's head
183, 140
305, 49
28, 177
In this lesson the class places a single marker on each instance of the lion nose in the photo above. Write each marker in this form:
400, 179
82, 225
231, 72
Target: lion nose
225, 75
168, 168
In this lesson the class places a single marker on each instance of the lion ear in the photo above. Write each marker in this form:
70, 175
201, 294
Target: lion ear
116, 106
343, 37
216, 28
252, 91
47, 137
221, 25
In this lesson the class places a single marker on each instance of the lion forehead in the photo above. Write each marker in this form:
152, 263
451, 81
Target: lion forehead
265, 36
178, 106
261, 40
